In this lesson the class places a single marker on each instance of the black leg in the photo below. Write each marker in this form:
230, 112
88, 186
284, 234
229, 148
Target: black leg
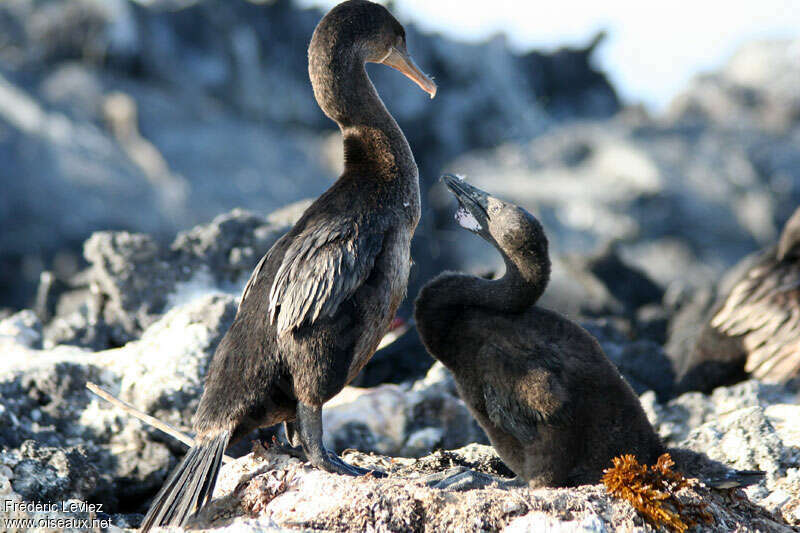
309, 432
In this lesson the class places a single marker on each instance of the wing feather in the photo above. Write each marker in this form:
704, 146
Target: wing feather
534, 397
322, 268
763, 309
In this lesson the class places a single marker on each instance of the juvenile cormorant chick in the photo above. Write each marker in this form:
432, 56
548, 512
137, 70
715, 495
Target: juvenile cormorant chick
754, 329
554, 407
319, 302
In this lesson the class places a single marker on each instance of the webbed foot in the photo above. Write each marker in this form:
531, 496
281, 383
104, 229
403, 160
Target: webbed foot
461, 478
338, 466
309, 432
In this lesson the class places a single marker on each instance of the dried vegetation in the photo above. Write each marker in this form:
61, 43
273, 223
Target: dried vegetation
653, 491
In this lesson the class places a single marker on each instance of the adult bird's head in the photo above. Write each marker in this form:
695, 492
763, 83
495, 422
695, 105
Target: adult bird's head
370, 32
516, 233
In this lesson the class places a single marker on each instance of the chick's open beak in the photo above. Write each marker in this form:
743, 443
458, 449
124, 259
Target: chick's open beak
470, 198
401, 60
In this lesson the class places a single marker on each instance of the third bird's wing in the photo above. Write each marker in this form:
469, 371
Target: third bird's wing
764, 309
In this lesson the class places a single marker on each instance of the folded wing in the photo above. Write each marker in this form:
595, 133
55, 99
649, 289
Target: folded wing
522, 405
763, 309
322, 267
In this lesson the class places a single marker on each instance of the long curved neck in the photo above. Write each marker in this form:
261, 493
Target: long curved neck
372, 139
520, 288
446, 297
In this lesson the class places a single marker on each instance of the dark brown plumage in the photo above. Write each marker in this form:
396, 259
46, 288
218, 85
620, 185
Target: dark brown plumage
754, 329
318, 303
554, 407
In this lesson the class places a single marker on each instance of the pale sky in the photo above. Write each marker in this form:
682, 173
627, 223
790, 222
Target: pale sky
653, 48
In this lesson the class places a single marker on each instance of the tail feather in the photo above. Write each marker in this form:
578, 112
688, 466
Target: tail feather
194, 485
211, 481
190, 485
177, 501
713, 473
736, 478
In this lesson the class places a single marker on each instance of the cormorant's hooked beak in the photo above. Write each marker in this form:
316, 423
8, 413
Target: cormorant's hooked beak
473, 203
400, 59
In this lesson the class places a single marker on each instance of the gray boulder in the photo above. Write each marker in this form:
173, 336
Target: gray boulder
22, 328
133, 280
54, 474
751, 426
45, 404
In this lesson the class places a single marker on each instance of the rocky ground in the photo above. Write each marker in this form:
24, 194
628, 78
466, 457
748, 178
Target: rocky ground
126, 128
146, 321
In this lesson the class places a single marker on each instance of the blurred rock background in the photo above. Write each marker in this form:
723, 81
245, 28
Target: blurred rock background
156, 117
152, 152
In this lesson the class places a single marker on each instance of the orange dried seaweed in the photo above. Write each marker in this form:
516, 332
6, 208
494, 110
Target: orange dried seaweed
652, 491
